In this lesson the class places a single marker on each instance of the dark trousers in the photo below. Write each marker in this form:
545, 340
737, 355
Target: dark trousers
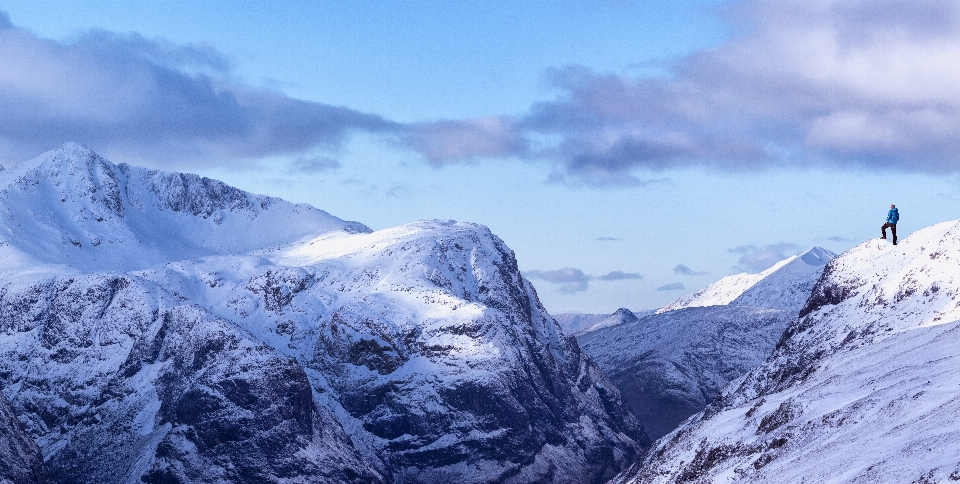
893, 229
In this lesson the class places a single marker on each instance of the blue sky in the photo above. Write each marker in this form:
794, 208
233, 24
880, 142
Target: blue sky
629, 152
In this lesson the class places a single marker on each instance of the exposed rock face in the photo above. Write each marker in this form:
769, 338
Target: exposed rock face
862, 388
20, 458
120, 382
236, 338
669, 366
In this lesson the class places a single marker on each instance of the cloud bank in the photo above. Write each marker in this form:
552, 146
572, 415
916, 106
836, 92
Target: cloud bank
686, 271
572, 280
676, 286
138, 98
854, 83
863, 83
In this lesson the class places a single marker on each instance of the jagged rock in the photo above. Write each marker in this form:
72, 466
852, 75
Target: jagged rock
20, 458
118, 382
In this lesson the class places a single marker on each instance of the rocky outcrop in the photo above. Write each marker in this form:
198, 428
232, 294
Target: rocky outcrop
20, 458
118, 381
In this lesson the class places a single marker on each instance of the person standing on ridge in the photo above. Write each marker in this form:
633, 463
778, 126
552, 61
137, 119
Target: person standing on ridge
892, 216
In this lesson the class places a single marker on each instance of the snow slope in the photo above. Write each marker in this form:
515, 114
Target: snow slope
784, 286
160, 327
862, 387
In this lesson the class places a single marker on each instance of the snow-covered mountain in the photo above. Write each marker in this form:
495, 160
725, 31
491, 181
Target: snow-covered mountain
72, 207
620, 316
20, 458
669, 365
784, 286
863, 386
211, 335
572, 322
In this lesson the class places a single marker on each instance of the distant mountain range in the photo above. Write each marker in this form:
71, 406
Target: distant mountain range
669, 365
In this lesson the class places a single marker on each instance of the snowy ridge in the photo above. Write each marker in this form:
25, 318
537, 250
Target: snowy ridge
861, 388
72, 207
785, 286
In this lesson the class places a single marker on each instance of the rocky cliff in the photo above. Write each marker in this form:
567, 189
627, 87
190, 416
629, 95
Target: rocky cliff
20, 458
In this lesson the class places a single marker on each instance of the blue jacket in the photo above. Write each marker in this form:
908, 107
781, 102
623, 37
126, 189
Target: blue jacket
892, 216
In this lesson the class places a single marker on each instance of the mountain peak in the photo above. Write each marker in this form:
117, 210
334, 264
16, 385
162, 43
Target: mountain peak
620, 316
817, 256
625, 313
75, 149
871, 359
